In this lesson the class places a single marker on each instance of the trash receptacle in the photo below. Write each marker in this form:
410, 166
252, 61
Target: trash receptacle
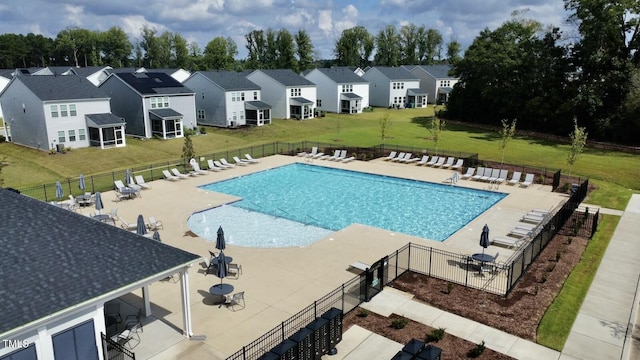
320, 328
304, 338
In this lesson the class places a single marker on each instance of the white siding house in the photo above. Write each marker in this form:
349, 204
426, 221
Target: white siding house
394, 87
289, 94
339, 90
435, 80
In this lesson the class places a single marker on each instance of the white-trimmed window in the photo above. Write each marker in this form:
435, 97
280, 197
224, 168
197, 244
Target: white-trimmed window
63, 111
445, 83
242, 96
61, 137
72, 110
296, 92
398, 85
347, 88
159, 102
241, 114
54, 111
201, 114
235, 116
82, 134
72, 135
255, 95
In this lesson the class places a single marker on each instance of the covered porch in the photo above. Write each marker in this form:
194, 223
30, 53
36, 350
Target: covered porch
350, 103
106, 130
257, 113
300, 108
443, 94
166, 123
416, 98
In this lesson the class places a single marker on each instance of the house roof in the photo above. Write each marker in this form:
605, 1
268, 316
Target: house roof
68, 87
438, 71
7, 73
395, 73
104, 120
90, 70
301, 101
152, 83
350, 96
416, 92
287, 77
230, 80
165, 114
54, 259
256, 105
61, 70
342, 75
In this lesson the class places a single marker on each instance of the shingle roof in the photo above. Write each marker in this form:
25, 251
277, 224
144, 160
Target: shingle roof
342, 75
230, 80
54, 259
7, 73
150, 83
438, 71
104, 120
287, 77
396, 73
68, 87
89, 70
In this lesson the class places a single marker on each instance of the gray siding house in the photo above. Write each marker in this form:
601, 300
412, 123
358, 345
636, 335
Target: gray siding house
153, 104
227, 99
435, 80
54, 112
394, 87
339, 89
289, 94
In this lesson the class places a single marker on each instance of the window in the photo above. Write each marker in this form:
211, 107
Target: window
159, 102
233, 97
398, 85
61, 137
63, 111
201, 114
82, 134
241, 115
255, 95
54, 111
242, 96
78, 343
72, 135
28, 353
347, 88
445, 83
296, 92
72, 110
235, 116
319, 103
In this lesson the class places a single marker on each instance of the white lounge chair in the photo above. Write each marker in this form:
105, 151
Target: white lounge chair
128, 226
250, 159
212, 166
479, 173
488, 175
221, 165
407, 157
140, 181
329, 157
359, 265
440, 162
424, 160
177, 173
239, 161
534, 218
519, 232
449, 162
391, 156
433, 161
508, 242
342, 156
502, 177
515, 178
224, 161
349, 159
528, 180
197, 170
314, 150
468, 174
400, 156
168, 176
154, 224
458, 164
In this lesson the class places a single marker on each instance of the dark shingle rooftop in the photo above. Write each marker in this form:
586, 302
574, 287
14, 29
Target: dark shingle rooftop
438, 71
104, 120
150, 83
396, 73
89, 70
287, 77
68, 87
54, 259
230, 80
342, 75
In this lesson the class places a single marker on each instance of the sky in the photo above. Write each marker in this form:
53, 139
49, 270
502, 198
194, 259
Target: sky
201, 21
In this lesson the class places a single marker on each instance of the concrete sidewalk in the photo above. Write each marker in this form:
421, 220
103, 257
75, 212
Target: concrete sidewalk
603, 328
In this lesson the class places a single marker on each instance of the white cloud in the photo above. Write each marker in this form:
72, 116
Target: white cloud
325, 22
295, 20
74, 14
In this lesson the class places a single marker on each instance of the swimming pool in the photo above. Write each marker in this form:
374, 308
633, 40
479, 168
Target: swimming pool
325, 198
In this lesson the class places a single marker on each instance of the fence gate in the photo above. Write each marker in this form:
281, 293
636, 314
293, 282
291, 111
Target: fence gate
375, 278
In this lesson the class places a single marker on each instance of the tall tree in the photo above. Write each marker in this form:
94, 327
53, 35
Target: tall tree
429, 46
354, 47
285, 51
304, 50
13, 51
180, 52
115, 47
409, 43
219, 54
151, 46
76, 46
388, 47
257, 49
453, 52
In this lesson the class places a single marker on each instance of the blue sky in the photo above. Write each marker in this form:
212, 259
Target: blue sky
324, 20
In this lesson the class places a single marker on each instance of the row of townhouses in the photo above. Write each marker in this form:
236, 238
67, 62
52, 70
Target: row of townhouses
62, 107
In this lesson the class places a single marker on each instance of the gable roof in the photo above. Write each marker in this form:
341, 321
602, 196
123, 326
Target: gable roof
6, 73
54, 259
395, 73
438, 71
230, 80
287, 77
342, 75
151, 83
68, 87
90, 70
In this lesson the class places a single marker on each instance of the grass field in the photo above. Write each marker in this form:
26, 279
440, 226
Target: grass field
616, 175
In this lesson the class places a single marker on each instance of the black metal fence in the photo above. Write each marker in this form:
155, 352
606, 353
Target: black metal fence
114, 351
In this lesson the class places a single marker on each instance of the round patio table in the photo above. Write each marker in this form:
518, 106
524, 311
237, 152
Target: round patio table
219, 291
482, 258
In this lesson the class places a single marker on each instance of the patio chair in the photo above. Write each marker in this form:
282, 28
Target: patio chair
125, 225
391, 156
480, 173
449, 162
112, 313
407, 158
224, 161
140, 181
239, 161
342, 156
314, 150
468, 174
197, 170
235, 270
177, 173
221, 165
424, 160
515, 178
134, 320
508, 242
432, 161
212, 166
250, 159
330, 157
128, 336
440, 162
458, 164
168, 176
400, 156
528, 180
114, 214
234, 300
154, 224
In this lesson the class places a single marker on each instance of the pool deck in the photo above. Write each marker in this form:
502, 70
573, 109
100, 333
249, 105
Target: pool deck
280, 282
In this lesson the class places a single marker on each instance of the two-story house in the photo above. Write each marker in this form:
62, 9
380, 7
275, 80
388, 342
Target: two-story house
227, 99
394, 87
152, 103
54, 112
435, 80
290, 95
339, 89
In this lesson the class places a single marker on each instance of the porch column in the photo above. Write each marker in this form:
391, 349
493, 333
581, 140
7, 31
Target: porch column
101, 138
186, 308
164, 129
145, 300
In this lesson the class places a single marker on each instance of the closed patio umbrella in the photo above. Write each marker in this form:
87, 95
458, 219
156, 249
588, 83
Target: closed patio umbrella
59, 191
220, 242
156, 236
141, 228
81, 183
98, 200
221, 272
127, 177
484, 238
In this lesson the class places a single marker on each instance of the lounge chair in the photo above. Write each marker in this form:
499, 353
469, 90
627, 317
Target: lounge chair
502, 177
508, 242
391, 156
524, 226
488, 175
400, 156
424, 160
359, 265
140, 181
154, 224
433, 161
449, 163
468, 174
528, 180
515, 178
177, 173
250, 159
239, 161
168, 176
540, 211
534, 218
224, 161
125, 192
314, 150
519, 232
458, 164
407, 157
221, 165
342, 156
125, 225
316, 155
440, 162
234, 270
212, 166
349, 159
479, 173
196, 169
328, 157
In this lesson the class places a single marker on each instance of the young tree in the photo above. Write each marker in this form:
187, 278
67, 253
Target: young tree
437, 127
453, 52
187, 148
578, 140
385, 124
506, 134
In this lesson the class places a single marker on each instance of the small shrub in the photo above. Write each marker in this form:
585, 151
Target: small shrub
399, 323
52, 151
558, 256
3, 139
435, 335
551, 267
203, 130
477, 350
362, 312
449, 287
67, 149
541, 179
543, 279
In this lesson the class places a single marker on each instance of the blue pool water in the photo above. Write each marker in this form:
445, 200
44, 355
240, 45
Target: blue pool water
321, 200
